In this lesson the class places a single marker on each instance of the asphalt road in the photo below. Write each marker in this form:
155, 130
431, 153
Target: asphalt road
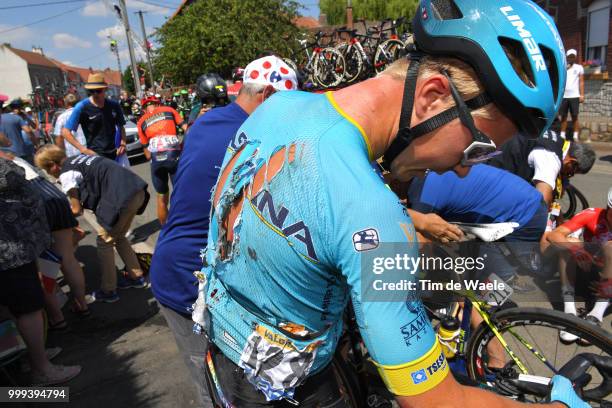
128, 354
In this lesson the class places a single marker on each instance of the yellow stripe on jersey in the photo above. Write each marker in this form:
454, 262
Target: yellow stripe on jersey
418, 376
342, 113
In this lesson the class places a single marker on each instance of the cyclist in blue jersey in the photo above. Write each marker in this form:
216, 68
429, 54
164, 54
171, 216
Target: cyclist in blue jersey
487, 194
297, 209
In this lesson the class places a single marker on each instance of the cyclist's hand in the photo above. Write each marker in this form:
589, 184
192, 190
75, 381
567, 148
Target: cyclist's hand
441, 230
563, 392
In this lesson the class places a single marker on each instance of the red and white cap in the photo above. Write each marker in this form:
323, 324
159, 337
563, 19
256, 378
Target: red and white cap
273, 71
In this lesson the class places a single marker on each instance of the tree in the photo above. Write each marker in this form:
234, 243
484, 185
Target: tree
368, 9
128, 79
217, 36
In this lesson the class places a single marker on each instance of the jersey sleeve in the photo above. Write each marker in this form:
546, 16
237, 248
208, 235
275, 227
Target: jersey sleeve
75, 117
141, 135
370, 228
546, 166
581, 220
70, 179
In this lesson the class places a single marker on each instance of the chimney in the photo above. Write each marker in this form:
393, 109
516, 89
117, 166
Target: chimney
38, 50
323, 19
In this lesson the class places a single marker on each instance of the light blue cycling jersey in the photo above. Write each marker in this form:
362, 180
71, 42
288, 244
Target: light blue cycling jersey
296, 208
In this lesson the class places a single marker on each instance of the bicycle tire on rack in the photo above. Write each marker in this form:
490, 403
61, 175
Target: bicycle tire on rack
354, 63
329, 76
387, 53
513, 317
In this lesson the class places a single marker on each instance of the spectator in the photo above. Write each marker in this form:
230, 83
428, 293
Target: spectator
99, 118
24, 235
574, 94
69, 101
177, 254
11, 125
115, 195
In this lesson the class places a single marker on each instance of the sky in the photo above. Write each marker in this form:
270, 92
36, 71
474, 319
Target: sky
76, 31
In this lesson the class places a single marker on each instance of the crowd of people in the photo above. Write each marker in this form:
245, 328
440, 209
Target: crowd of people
272, 191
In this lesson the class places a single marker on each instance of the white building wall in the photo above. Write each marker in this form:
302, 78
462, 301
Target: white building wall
14, 75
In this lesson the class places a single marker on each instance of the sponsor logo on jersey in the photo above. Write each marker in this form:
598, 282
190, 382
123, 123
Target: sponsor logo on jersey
437, 365
278, 217
366, 240
415, 328
419, 376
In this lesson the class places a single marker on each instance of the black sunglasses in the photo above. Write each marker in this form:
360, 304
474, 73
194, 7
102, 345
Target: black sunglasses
96, 91
482, 147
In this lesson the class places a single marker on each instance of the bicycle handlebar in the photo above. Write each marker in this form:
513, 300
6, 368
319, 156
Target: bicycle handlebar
576, 371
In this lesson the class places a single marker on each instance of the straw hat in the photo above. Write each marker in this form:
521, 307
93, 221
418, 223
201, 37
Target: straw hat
96, 81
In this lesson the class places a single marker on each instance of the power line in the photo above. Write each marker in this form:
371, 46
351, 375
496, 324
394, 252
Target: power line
41, 20
51, 3
166, 6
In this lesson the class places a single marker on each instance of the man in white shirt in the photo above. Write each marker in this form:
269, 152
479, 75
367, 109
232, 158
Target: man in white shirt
574, 93
69, 101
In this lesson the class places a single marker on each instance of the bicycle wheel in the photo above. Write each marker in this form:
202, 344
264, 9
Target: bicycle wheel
329, 67
353, 62
386, 53
573, 202
539, 328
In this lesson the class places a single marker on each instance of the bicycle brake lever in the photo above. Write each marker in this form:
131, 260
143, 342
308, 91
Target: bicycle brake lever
576, 371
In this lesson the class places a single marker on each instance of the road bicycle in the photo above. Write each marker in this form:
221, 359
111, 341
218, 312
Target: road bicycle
573, 201
318, 65
370, 53
524, 335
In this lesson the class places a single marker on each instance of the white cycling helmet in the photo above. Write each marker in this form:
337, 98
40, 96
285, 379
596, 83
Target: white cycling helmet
610, 198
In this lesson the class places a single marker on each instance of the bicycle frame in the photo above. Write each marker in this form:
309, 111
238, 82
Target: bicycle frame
483, 308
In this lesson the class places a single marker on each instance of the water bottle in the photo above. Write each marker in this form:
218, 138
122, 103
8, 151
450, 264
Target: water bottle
448, 332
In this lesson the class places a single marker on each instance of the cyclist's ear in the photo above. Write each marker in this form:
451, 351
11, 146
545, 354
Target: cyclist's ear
267, 92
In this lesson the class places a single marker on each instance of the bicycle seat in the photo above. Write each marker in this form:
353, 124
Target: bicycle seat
487, 232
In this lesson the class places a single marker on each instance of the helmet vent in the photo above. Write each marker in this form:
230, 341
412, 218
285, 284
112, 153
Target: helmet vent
516, 53
446, 10
553, 69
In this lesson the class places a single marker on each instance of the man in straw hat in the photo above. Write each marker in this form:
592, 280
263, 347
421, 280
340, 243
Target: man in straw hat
99, 118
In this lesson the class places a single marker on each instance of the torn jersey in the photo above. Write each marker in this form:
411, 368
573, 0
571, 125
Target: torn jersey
298, 219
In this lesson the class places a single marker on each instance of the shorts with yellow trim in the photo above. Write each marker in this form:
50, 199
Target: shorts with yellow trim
418, 376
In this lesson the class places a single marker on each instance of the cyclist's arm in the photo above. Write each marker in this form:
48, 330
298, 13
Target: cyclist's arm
143, 139
546, 166
450, 394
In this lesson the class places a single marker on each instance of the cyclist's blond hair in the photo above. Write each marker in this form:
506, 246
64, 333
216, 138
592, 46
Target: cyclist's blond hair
48, 155
463, 76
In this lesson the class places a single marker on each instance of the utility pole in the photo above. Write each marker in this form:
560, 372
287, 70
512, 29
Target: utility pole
115, 49
146, 47
126, 23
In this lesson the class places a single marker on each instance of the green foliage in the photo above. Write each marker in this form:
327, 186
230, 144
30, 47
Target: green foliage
128, 80
368, 9
217, 36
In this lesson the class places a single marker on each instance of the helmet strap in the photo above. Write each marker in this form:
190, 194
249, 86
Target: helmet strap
406, 134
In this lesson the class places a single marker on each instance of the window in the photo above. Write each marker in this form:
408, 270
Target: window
598, 30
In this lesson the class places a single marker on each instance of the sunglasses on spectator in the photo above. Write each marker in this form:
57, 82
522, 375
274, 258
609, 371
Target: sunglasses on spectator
482, 147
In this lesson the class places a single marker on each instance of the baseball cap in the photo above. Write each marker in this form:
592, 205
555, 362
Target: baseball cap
271, 70
28, 109
571, 52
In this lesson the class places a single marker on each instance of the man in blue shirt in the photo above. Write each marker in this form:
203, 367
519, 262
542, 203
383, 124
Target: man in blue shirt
184, 236
12, 124
99, 118
486, 195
